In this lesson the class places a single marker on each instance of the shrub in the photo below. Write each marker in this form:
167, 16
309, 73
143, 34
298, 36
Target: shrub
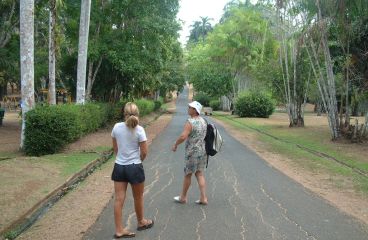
215, 105
254, 104
202, 98
158, 103
145, 106
119, 110
50, 128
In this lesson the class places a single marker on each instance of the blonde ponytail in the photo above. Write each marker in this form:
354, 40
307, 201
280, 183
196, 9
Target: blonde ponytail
131, 113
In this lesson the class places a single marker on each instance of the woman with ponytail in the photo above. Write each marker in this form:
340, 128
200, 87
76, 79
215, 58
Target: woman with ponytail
130, 147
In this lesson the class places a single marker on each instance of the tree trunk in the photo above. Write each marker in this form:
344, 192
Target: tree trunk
83, 50
333, 112
5, 34
52, 58
293, 104
3, 91
89, 81
92, 77
347, 112
325, 77
26, 59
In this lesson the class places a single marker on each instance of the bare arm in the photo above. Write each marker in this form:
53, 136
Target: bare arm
115, 146
143, 149
183, 136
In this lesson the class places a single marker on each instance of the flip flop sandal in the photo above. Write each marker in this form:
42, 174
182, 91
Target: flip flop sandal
125, 235
200, 203
144, 227
178, 200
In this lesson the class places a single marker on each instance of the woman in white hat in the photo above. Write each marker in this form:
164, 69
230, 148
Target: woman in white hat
194, 133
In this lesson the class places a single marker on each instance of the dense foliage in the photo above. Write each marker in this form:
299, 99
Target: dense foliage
215, 105
202, 98
133, 47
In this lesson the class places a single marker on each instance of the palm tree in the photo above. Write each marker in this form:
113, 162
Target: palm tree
52, 58
200, 29
205, 26
195, 32
82, 50
26, 58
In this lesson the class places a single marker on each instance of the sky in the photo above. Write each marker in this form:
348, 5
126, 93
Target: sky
192, 10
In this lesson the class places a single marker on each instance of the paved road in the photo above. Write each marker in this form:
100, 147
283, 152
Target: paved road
248, 199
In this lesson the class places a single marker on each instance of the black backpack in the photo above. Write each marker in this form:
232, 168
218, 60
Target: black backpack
213, 140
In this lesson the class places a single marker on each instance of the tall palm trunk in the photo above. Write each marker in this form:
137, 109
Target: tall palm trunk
325, 76
26, 59
52, 50
294, 105
83, 50
331, 89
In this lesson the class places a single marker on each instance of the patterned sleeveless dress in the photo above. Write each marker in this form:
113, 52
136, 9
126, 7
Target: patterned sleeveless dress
195, 151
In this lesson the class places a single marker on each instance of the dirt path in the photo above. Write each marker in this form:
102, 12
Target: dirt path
10, 133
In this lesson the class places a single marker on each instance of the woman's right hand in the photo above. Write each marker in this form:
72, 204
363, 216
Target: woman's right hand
174, 148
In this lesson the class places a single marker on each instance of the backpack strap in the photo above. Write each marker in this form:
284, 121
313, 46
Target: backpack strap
205, 120
207, 154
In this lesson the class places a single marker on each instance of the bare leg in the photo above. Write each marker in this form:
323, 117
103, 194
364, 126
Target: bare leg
120, 193
202, 186
137, 190
186, 184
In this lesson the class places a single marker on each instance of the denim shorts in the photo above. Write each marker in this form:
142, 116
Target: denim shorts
133, 173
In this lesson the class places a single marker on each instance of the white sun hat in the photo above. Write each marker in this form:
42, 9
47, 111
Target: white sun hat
196, 105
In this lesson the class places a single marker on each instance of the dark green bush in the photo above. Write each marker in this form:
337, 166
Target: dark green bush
50, 128
202, 98
215, 105
158, 103
254, 104
119, 110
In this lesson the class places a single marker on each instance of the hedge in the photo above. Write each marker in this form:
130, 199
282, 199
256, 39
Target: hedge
145, 107
202, 98
254, 104
215, 105
50, 128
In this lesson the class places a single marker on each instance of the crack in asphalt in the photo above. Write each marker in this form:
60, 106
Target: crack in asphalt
165, 226
307, 234
273, 229
163, 188
200, 222
243, 226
